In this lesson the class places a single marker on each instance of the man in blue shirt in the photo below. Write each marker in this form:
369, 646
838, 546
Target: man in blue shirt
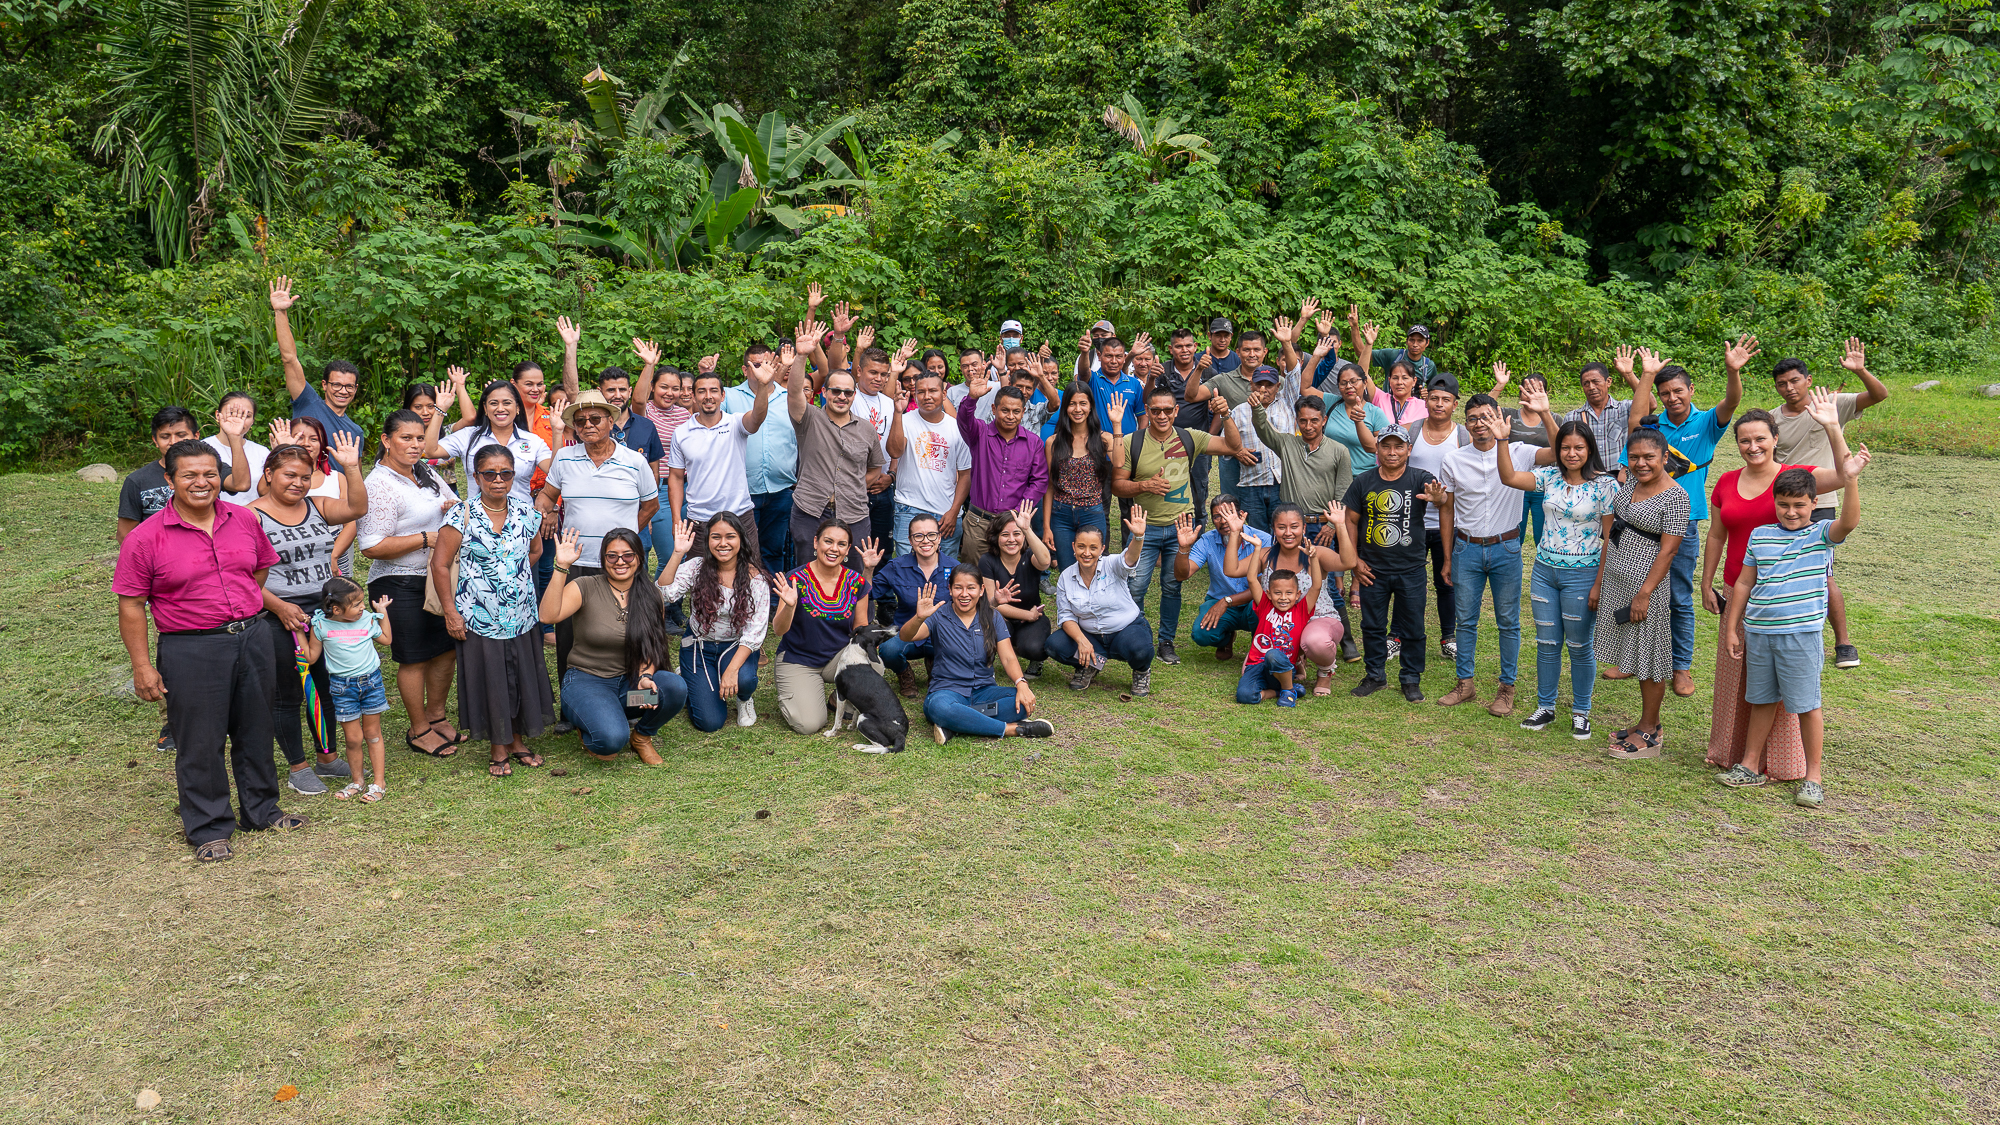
1226, 608
1693, 434
340, 380
772, 458
1109, 377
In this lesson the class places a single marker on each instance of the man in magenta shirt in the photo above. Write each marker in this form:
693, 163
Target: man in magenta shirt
199, 565
1010, 463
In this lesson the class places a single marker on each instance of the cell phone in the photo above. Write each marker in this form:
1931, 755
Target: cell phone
1623, 615
642, 697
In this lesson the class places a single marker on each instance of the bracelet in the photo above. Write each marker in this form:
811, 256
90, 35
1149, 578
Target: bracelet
1019, 682
426, 537
562, 570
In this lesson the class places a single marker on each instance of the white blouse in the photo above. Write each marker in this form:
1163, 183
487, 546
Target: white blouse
719, 631
398, 505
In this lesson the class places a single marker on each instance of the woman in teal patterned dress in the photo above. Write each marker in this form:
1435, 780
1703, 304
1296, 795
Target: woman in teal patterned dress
503, 684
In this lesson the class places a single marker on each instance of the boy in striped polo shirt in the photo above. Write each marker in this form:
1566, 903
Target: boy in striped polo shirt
1776, 613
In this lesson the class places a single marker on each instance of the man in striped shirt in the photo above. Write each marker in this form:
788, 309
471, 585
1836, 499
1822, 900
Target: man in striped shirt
1609, 419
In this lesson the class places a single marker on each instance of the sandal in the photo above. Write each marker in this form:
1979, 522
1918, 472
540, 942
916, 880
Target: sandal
1639, 745
501, 768
410, 739
353, 790
462, 736
374, 794
1325, 684
529, 759
215, 851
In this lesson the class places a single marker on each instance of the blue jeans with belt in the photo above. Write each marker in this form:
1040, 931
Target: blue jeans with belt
963, 714
595, 706
1162, 545
1065, 520
1475, 566
702, 664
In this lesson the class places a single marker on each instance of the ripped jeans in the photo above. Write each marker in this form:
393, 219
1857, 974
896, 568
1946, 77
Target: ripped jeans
1563, 619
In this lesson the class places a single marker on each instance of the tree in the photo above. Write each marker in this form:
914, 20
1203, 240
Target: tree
1155, 138
205, 97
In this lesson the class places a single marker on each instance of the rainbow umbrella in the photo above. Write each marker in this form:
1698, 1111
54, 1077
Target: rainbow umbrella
322, 729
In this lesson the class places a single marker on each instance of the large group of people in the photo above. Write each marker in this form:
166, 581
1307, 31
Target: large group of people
654, 531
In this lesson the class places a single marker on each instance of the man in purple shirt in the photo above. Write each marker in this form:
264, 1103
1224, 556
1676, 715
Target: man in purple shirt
199, 565
1010, 465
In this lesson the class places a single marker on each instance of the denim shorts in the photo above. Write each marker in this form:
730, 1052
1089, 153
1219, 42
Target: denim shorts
355, 696
1783, 667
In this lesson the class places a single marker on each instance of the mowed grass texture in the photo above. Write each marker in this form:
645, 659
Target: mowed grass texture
1176, 910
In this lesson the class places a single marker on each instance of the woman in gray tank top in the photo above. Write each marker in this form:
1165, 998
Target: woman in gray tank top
303, 530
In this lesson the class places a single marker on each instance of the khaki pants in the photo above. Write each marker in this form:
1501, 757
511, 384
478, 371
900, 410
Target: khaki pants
972, 546
802, 695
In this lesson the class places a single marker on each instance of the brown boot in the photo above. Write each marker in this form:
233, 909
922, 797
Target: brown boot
1503, 703
1463, 693
642, 745
906, 682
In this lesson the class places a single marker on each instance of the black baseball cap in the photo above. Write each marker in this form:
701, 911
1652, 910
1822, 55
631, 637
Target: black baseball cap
1221, 324
1445, 380
1418, 330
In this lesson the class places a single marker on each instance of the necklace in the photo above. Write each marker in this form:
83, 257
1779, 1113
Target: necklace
496, 511
623, 607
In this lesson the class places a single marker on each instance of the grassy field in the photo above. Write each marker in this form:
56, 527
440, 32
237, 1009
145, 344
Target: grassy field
1177, 910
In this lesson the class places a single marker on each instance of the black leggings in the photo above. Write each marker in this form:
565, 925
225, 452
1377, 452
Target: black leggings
1031, 638
288, 697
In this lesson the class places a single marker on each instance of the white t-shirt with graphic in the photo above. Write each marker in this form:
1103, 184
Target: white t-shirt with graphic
933, 455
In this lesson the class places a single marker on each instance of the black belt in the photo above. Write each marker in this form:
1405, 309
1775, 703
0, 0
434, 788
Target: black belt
236, 626
1487, 540
983, 513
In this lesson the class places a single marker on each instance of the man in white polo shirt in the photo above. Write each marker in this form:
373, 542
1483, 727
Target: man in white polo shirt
602, 485
706, 470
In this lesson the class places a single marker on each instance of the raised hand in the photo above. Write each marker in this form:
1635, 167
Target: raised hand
1008, 594
1738, 355
569, 547
902, 357
788, 590
843, 318
235, 422
1622, 360
707, 363
1856, 357
927, 602
1368, 333
281, 432
866, 338
1824, 407
1114, 407
788, 354
1500, 377
454, 383
648, 351
570, 331
1285, 329
1184, 530
1535, 397
1323, 324
1233, 518
281, 294
814, 297
1857, 461
683, 536
1307, 309
1353, 315
346, 450
1434, 493
1650, 362
558, 399
1143, 342
1205, 362
1137, 524
1046, 351
1336, 513
809, 334
871, 553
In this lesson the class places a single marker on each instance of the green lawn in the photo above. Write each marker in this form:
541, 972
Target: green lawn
1177, 909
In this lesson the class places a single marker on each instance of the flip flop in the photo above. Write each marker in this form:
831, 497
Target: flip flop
530, 759
410, 739
500, 769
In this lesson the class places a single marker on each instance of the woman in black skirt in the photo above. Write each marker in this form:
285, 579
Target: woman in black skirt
406, 507
503, 682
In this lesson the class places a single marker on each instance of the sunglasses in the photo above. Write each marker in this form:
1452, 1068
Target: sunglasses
590, 421
625, 557
836, 392
496, 474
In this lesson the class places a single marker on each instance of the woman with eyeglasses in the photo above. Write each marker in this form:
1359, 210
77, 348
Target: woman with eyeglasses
503, 682
617, 690
492, 422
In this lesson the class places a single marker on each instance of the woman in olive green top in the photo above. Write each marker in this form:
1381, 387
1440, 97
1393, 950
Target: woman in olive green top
621, 646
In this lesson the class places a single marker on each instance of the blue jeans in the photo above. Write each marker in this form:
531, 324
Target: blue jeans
1531, 512
901, 531
1256, 501
774, 531
1473, 568
882, 520
1133, 644
662, 534
701, 673
595, 706
1162, 544
1262, 677
896, 653
1681, 582
1232, 474
1234, 618
1564, 619
1065, 520
545, 570
959, 714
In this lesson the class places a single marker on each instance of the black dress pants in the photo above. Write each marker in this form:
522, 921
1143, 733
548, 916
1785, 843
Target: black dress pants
220, 688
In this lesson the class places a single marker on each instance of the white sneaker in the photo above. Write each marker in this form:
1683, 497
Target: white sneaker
746, 713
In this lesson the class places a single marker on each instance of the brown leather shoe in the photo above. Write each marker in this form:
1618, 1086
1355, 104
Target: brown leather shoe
1463, 693
1226, 653
642, 745
906, 682
1683, 684
1503, 703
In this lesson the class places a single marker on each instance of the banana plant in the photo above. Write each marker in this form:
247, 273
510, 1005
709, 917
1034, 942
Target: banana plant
1155, 138
774, 158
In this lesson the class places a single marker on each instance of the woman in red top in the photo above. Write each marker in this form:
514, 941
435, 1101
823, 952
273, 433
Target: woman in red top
1741, 502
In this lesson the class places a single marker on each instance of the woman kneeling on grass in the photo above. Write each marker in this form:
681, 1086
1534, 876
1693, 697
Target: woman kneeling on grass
719, 657
965, 641
621, 647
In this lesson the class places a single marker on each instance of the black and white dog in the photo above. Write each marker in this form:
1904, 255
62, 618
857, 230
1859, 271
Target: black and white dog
858, 687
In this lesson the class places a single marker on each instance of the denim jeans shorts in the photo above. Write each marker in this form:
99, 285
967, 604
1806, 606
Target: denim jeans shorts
355, 696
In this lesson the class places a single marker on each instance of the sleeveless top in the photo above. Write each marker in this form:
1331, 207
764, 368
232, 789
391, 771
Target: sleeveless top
305, 556
1324, 607
1077, 484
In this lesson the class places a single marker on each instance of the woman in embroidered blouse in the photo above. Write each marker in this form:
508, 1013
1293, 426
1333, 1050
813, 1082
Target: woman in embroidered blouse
719, 655
503, 682
406, 507
819, 606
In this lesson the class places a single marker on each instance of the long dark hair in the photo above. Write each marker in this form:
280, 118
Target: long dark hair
415, 391
482, 424
1093, 439
397, 419
706, 597
325, 455
645, 613
1593, 464
982, 611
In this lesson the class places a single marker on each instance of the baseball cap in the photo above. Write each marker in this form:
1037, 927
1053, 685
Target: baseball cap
1444, 380
1418, 330
1104, 326
1221, 324
1013, 326
1265, 373
1392, 430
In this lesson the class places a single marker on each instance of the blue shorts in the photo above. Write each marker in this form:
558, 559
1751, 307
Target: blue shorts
1783, 667
355, 696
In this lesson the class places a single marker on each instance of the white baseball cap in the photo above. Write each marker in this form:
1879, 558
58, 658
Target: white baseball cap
1013, 326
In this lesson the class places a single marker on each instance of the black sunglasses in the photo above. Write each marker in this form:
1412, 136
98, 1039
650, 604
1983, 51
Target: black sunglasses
496, 474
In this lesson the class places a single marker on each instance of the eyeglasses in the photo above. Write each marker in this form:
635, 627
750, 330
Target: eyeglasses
496, 474
924, 537
343, 386
622, 557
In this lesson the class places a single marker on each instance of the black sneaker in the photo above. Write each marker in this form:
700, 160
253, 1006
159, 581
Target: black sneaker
1540, 720
1846, 656
1166, 654
1413, 691
1034, 728
1033, 671
166, 741
1368, 686
1579, 727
